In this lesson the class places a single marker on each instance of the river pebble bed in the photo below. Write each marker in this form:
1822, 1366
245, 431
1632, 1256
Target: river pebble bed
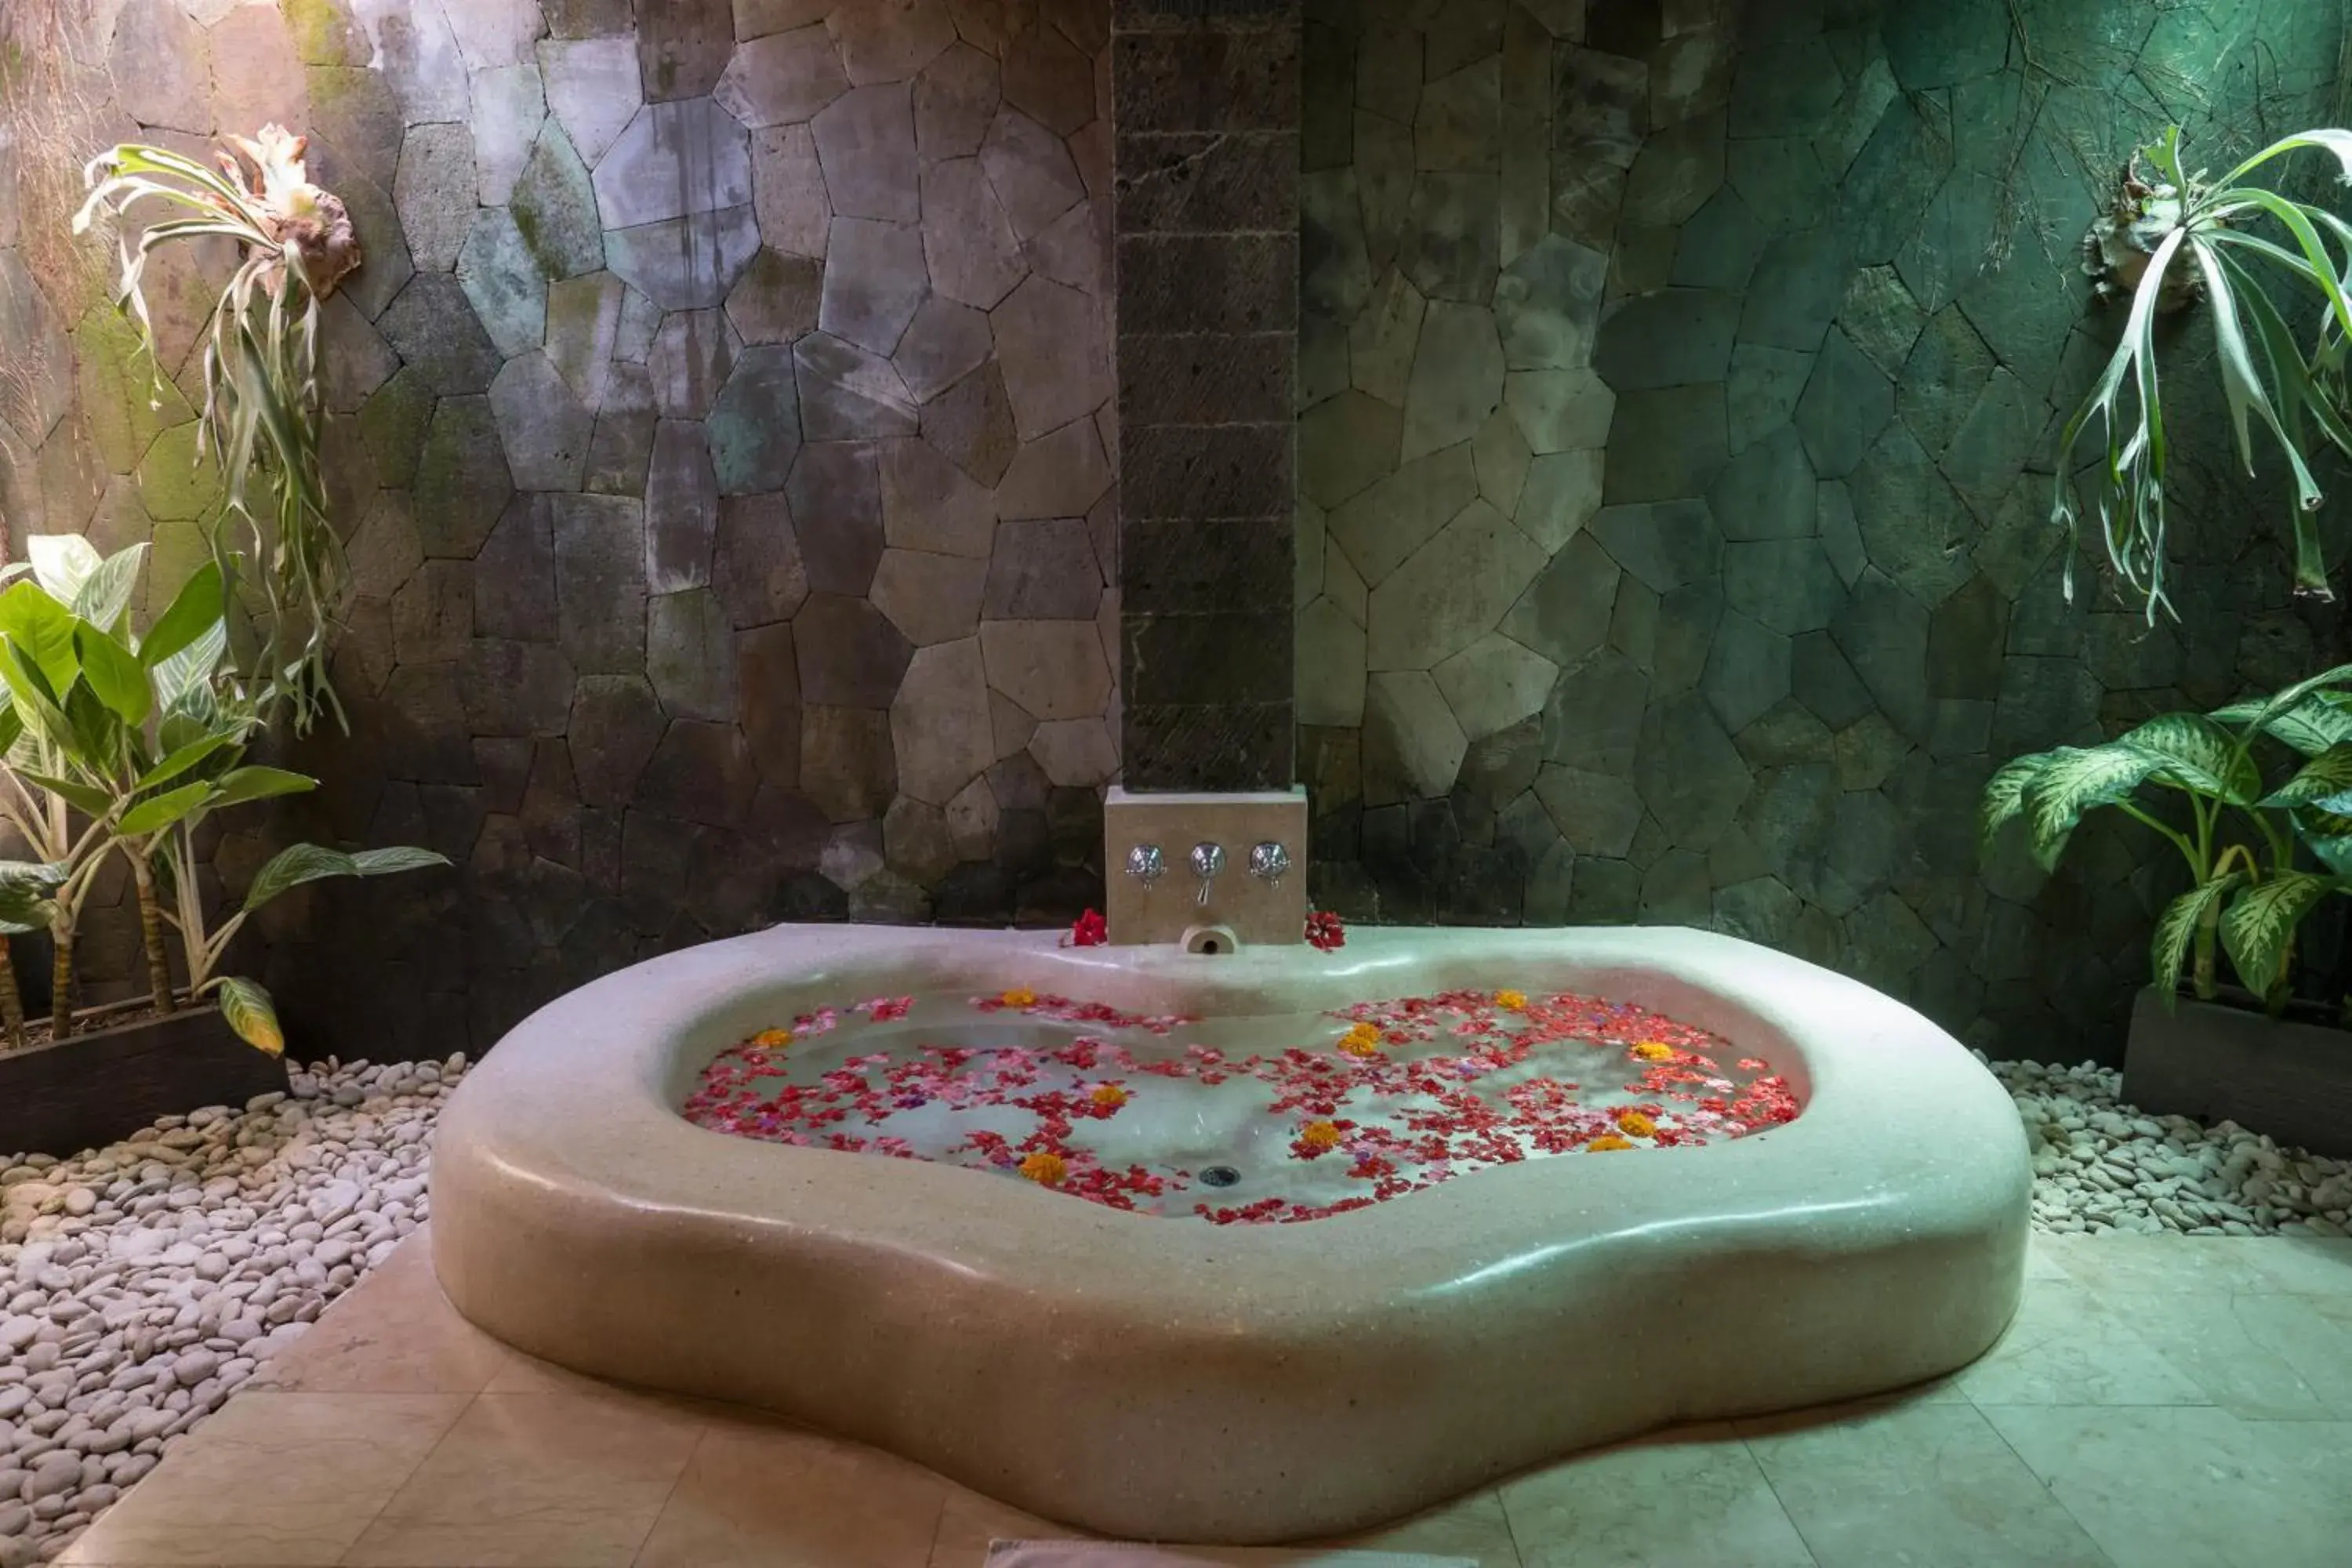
141, 1285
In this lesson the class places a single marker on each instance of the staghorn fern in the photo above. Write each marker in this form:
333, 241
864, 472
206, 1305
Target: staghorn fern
2181, 238
260, 418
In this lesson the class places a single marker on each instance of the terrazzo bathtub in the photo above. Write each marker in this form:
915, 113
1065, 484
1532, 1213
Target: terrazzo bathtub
1159, 1375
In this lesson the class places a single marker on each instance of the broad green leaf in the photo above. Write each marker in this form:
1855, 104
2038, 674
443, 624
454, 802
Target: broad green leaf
180, 761
2322, 778
44, 630
2004, 794
88, 799
194, 609
28, 891
2073, 781
2327, 834
293, 865
159, 812
260, 784
2257, 928
62, 562
31, 697
2198, 755
180, 678
2321, 719
395, 858
104, 596
98, 734
245, 1007
116, 677
2169, 949
12, 723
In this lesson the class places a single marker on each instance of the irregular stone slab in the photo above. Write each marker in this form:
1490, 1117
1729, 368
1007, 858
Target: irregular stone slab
768, 685
783, 78
492, 34
1846, 402
971, 423
1494, 684
1748, 671
1413, 745
687, 263
393, 424
583, 326
939, 723
435, 193
848, 768
931, 598
1049, 344
385, 552
681, 508
865, 144
502, 281
1691, 776
40, 360
1664, 544
462, 480
850, 656
592, 89
432, 328
755, 425
1062, 474
545, 429
973, 256
1453, 240
257, 75
788, 187
929, 504
1565, 613
619, 452
691, 356
1676, 172
1450, 592
1600, 105
1330, 654
846, 394
837, 500
600, 584
757, 569
1384, 525
1673, 338
1335, 267
672, 159
1760, 395
1345, 443
377, 223
1043, 569
1914, 527
1031, 170
776, 299
1560, 410
1050, 79
890, 43
1455, 125
1382, 341
1596, 813
1547, 305
943, 342
1053, 669
1075, 753
1799, 284
174, 485
873, 281
160, 65
1561, 494
1990, 450
510, 104
1666, 443
683, 46
955, 98
433, 613
1881, 318
555, 207
1500, 456
1788, 585
690, 654
1768, 491
703, 772
514, 577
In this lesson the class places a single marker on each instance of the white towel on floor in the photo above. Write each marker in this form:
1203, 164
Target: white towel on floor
1135, 1555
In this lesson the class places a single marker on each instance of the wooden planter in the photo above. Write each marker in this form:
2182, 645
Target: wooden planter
2290, 1078
91, 1088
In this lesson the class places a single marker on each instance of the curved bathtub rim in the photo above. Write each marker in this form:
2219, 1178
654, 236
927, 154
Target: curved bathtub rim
1880, 1163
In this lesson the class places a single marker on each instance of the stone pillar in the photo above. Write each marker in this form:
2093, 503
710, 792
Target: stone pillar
1205, 114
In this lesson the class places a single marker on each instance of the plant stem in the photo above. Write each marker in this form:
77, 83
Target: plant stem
12, 1004
150, 929
61, 981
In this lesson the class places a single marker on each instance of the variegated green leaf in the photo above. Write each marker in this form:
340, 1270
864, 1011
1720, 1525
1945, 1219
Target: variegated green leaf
247, 1009
2257, 928
2169, 949
61, 563
2076, 779
2199, 754
2327, 833
104, 596
2322, 778
2004, 794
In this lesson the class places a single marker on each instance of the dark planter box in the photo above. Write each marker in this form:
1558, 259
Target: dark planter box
2289, 1078
91, 1088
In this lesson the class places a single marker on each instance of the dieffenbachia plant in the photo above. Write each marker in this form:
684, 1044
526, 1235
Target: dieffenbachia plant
148, 737
2198, 781
2173, 239
261, 410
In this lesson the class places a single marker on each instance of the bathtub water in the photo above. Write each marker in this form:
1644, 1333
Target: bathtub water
1244, 1117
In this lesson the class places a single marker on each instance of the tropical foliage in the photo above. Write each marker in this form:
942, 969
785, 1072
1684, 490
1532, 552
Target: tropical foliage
260, 417
2180, 236
2239, 792
139, 740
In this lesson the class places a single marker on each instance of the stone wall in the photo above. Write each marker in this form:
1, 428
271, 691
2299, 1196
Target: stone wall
721, 428
1678, 390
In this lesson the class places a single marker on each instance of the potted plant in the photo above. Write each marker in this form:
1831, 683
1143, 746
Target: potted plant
2257, 798
141, 738
2172, 239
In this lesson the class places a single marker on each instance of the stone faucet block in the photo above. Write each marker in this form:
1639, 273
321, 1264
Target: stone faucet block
1262, 905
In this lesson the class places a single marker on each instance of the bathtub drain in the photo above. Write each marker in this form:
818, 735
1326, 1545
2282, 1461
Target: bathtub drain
1220, 1176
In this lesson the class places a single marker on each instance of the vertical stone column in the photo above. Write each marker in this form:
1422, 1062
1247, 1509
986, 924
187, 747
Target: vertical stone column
1205, 114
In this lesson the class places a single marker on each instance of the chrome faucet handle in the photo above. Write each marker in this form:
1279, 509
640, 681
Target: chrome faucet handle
1269, 862
1146, 864
1208, 860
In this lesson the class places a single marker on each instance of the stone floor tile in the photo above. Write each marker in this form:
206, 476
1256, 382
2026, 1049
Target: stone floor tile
2064, 1347
2118, 1262
395, 1332
1695, 1494
2260, 1357
760, 1495
277, 1478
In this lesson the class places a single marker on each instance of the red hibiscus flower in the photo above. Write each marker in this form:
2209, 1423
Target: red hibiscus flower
1324, 931
1090, 929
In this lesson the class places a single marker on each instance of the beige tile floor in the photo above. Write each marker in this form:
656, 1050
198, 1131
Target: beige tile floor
2159, 1401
